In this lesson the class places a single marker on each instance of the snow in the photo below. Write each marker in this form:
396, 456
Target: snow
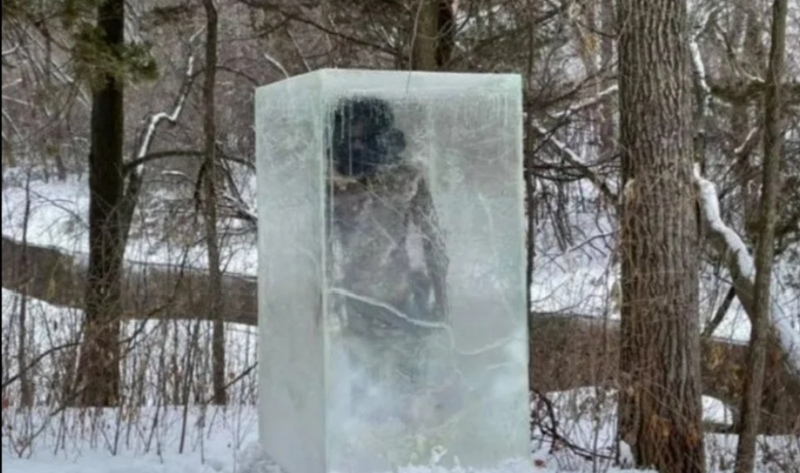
716, 411
216, 440
147, 438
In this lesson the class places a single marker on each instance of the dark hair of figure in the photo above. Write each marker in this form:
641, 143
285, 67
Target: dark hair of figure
364, 139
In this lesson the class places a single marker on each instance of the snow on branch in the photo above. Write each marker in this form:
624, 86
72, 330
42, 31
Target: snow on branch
740, 264
172, 117
134, 167
702, 15
700, 70
239, 209
11, 50
709, 204
698, 65
747, 144
277, 64
587, 102
12, 84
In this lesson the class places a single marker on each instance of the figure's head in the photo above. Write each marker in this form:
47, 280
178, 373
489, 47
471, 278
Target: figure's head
363, 136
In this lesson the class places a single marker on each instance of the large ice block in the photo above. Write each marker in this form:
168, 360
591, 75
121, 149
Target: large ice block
392, 309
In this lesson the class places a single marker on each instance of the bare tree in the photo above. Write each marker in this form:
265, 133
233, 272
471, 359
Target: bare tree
25, 383
216, 302
759, 338
660, 393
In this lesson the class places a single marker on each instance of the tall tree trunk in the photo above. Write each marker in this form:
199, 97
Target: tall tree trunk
423, 41
432, 37
660, 397
25, 383
759, 338
98, 374
211, 180
607, 130
530, 183
752, 52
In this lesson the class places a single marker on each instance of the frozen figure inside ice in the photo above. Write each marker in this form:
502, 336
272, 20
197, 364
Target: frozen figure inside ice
389, 264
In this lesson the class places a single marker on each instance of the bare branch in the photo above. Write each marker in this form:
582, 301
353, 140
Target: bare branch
576, 161
11, 50
176, 153
588, 102
236, 206
131, 166
748, 144
353, 39
12, 84
277, 64
747, 91
719, 315
298, 49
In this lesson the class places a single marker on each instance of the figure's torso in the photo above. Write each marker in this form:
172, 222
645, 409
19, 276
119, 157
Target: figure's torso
376, 248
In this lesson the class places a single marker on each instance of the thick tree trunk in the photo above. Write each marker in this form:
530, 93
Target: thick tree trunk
216, 305
98, 375
432, 37
759, 338
660, 402
423, 41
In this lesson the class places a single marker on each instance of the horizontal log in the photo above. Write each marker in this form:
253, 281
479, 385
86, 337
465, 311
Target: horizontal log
573, 351
156, 290
743, 91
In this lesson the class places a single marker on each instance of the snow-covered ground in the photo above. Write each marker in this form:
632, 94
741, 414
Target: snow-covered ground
214, 440
156, 437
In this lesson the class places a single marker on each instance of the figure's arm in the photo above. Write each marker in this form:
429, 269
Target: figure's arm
423, 215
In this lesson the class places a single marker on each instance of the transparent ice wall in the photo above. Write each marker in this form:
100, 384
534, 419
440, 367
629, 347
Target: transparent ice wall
463, 133
290, 277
